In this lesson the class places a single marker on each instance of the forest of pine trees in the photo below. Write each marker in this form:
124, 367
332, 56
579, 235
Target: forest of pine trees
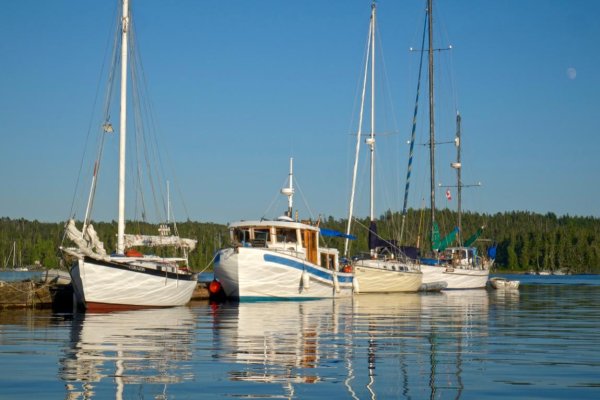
526, 241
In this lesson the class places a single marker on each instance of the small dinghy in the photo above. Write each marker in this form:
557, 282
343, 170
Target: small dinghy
503, 283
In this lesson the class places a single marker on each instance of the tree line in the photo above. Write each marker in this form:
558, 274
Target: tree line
525, 241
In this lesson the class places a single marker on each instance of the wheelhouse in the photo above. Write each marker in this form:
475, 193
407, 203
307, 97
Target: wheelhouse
298, 239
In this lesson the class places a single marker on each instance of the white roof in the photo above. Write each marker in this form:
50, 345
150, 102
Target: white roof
274, 223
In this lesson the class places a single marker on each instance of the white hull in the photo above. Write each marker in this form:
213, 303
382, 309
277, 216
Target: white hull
258, 273
103, 285
456, 278
503, 283
378, 276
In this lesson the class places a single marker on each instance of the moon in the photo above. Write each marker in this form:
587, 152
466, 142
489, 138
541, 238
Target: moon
571, 73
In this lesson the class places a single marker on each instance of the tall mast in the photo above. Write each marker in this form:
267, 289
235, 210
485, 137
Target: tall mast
359, 132
458, 167
371, 140
431, 114
123, 129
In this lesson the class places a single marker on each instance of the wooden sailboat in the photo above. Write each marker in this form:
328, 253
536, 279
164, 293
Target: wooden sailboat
382, 271
126, 279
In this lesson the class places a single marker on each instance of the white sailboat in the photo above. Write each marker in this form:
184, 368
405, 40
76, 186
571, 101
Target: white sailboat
126, 279
382, 271
13, 255
280, 259
461, 267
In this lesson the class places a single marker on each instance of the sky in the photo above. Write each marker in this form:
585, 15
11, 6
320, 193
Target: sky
239, 87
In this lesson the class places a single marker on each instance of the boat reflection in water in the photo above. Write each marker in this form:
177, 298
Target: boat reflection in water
416, 345
280, 342
125, 354
402, 345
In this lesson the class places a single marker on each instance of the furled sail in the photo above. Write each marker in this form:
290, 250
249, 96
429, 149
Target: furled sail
158, 241
89, 243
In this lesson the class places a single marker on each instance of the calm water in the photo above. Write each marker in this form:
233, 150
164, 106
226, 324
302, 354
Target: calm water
541, 341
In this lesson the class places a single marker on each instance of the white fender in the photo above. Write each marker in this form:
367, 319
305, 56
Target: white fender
355, 286
336, 284
305, 280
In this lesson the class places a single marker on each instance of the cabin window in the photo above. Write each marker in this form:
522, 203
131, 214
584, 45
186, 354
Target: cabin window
261, 237
286, 235
241, 235
328, 260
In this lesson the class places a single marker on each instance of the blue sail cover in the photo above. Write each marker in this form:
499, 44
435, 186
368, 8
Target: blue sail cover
333, 233
492, 251
375, 242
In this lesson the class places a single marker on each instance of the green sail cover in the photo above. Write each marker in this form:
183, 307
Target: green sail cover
439, 244
473, 238
448, 240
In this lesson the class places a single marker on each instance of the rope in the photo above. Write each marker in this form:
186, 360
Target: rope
210, 262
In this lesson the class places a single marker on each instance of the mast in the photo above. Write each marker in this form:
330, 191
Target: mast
371, 140
289, 191
431, 115
458, 168
412, 137
168, 204
359, 132
123, 129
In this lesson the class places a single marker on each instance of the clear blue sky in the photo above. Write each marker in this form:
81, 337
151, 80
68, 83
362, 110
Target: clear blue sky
240, 86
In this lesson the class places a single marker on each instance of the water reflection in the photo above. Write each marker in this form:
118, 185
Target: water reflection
279, 342
138, 351
378, 346
415, 345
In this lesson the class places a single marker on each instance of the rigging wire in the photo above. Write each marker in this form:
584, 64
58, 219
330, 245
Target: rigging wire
76, 192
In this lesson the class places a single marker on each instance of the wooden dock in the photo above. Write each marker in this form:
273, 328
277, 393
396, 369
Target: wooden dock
26, 294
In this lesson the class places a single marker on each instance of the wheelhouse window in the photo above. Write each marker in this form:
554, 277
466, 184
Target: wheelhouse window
285, 235
261, 237
241, 235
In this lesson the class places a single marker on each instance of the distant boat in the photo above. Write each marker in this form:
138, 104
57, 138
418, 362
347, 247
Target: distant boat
461, 267
381, 271
13, 255
280, 259
56, 276
126, 279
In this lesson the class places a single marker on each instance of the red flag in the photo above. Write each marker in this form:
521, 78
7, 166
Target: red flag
448, 194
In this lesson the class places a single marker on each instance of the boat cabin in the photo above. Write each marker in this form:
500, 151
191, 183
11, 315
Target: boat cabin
462, 256
298, 239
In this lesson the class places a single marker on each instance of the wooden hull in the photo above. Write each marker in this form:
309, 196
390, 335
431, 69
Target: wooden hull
105, 286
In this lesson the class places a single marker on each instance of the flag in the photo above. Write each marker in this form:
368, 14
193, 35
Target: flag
448, 194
